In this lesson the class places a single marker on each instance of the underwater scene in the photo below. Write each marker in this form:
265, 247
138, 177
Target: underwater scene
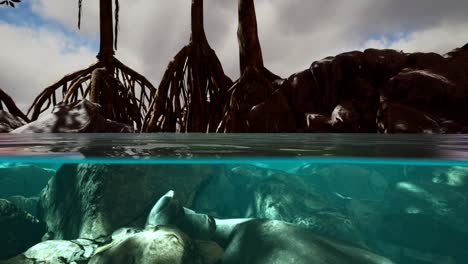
195, 198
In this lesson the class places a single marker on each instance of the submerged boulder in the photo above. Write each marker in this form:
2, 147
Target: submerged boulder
57, 251
345, 181
27, 204
19, 230
24, 180
92, 200
248, 191
285, 197
78, 117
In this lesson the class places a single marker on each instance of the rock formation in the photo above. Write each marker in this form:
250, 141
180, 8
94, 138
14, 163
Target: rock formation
24, 180
56, 251
79, 117
19, 230
253, 192
91, 201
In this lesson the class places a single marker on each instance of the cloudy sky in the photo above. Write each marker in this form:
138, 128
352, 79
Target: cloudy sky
40, 41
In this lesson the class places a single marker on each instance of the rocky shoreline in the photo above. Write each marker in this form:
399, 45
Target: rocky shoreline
374, 91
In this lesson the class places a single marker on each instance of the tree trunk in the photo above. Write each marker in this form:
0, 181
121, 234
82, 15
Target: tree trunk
250, 52
106, 49
198, 42
198, 28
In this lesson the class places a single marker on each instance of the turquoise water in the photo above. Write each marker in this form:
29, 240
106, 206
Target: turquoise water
404, 197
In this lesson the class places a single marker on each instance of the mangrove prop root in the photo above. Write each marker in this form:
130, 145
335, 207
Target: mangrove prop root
251, 89
191, 93
123, 94
7, 101
256, 82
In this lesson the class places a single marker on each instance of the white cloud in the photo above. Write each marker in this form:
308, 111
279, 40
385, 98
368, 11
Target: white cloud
31, 59
440, 39
66, 13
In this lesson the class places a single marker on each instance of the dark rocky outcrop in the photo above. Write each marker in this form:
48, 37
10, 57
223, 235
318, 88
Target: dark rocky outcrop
397, 118
344, 118
272, 115
24, 180
79, 117
19, 230
465, 47
350, 88
91, 201
317, 123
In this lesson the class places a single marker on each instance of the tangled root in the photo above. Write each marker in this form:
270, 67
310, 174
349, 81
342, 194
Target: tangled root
123, 93
6, 102
252, 88
191, 94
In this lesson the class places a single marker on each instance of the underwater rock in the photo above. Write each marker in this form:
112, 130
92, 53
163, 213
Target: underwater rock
221, 197
248, 191
26, 204
228, 195
57, 251
345, 181
405, 255
285, 197
255, 241
9, 122
159, 245
282, 196
19, 230
414, 207
91, 201
79, 117
455, 177
409, 232
24, 180
448, 204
